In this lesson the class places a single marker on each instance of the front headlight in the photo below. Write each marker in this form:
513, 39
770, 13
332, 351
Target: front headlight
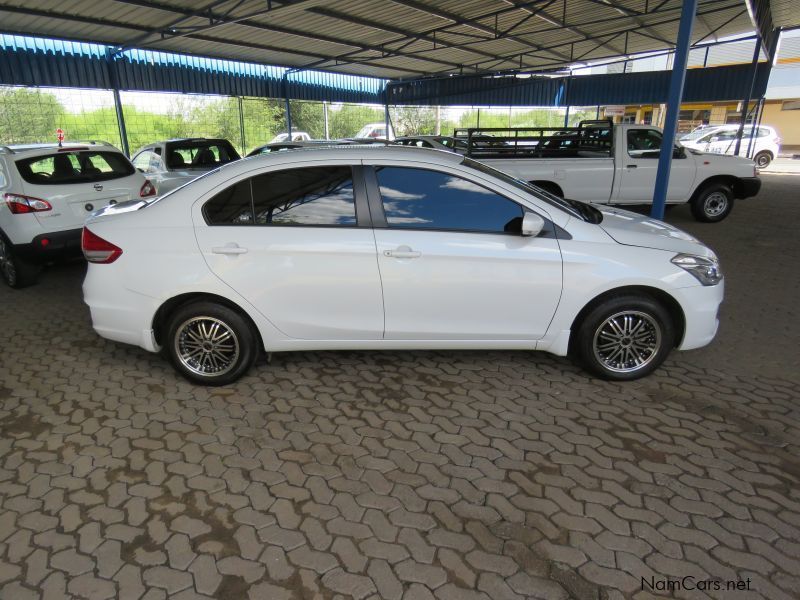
705, 270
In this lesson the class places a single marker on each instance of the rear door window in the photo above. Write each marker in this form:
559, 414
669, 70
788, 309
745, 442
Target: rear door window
74, 167
311, 196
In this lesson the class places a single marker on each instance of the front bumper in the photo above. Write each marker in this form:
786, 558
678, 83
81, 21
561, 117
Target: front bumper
700, 306
49, 246
746, 187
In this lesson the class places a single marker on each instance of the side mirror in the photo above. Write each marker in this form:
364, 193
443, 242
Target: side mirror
532, 224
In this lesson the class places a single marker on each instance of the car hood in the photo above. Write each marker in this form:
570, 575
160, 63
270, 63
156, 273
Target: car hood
632, 229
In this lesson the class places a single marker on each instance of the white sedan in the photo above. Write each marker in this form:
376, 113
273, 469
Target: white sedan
391, 248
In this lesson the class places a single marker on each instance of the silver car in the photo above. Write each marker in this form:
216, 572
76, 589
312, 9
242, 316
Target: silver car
170, 164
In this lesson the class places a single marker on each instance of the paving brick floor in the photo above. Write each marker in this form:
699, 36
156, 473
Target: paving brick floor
449, 475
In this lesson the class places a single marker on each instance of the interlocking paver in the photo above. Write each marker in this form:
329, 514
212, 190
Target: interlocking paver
406, 474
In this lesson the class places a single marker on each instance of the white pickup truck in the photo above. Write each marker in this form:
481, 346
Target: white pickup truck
604, 163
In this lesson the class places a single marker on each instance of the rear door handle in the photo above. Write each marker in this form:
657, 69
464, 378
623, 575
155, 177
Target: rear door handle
402, 252
229, 249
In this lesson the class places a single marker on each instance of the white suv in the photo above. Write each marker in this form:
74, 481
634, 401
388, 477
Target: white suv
388, 248
46, 193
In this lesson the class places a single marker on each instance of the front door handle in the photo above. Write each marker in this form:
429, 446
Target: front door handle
402, 252
631, 166
229, 249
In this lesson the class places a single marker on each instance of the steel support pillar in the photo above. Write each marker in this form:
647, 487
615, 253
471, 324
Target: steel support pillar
241, 126
386, 117
288, 106
746, 101
566, 117
123, 132
325, 119
676, 81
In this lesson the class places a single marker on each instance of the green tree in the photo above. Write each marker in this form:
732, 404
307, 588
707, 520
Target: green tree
345, 121
28, 116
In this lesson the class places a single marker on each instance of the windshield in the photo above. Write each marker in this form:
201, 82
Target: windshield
581, 210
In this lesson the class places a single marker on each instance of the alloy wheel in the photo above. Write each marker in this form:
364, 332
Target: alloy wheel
207, 346
627, 341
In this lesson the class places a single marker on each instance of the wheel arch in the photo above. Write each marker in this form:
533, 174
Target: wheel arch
162, 315
668, 301
733, 182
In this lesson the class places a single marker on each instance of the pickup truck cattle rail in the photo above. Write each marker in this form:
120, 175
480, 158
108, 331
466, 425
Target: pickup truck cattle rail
590, 139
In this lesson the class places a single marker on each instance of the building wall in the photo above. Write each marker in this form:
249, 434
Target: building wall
785, 122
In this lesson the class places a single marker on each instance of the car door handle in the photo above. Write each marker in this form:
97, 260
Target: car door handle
631, 166
229, 249
402, 252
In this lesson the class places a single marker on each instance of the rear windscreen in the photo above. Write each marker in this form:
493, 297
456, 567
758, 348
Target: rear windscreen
199, 155
74, 167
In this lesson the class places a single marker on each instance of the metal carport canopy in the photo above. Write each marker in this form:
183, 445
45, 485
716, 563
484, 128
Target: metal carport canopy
392, 39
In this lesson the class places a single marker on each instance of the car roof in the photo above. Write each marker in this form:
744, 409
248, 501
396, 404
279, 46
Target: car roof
353, 152
27, 150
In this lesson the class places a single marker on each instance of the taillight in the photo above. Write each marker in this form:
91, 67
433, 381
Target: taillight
21, 205
148, 189
98, 250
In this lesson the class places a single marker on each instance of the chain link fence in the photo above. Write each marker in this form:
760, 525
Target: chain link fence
29, 115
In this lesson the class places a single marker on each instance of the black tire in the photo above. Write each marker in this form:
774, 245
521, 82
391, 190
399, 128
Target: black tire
199, 354
16, 272
650, 346
763, 159
712, 203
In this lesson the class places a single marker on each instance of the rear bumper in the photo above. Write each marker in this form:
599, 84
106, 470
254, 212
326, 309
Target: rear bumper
746, 187
49, 246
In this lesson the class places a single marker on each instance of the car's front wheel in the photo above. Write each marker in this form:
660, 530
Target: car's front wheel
713, 203
16, 272
624, 338
210, 344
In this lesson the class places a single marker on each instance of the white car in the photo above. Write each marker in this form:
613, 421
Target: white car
722, 140
170, 164
297, 136
46, 193
375, 130
385, 248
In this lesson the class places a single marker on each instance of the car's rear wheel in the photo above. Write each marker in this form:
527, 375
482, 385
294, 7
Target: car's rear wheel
16, 272
624, 337
712, 203
210, 344
763, 159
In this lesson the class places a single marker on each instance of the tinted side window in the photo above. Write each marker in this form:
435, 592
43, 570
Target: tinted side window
231, 206
307, 196
422, 199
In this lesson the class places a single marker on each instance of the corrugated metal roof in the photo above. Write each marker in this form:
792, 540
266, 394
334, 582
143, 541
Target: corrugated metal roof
387, 38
